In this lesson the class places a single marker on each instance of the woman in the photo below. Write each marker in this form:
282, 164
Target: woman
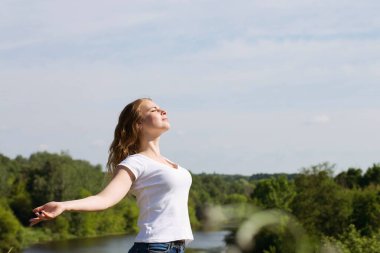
160, 186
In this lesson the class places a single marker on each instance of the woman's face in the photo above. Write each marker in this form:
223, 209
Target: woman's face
154, 119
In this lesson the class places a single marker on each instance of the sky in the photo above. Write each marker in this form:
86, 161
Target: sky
249, 86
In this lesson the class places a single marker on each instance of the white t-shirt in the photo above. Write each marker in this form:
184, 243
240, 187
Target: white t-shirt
162, 196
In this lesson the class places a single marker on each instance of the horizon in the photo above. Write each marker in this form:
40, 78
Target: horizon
104, 169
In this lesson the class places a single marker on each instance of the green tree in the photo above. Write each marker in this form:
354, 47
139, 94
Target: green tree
274, 193
352, 242
130, 214
372, 175
320, 204
235, 198
10, 229
366, 210
352, 178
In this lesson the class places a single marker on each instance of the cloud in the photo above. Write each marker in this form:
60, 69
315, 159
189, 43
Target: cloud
44, 22
317, 19
291, 51
268, 140
43, 147
319, 119
175, 23
239, 81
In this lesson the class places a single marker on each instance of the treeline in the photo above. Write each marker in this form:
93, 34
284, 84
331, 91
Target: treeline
43, 177
339, 214
341, 210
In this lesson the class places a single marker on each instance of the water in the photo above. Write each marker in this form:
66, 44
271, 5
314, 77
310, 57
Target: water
203, 242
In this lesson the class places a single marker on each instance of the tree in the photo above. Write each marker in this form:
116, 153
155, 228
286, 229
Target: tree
372, 175
352, 178
10, 229
366, 210
320, 204
235, 198
352, 242
274, 193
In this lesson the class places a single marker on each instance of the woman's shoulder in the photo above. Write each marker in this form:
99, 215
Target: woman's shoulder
134, 159
135, 163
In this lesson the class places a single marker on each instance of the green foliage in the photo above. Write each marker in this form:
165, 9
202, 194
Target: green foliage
194, 221
271, 231
366, 210
44, 177
111, 221
274, 193
10, 229
352, 178
260, 176
351, 241
218, 189
325, 205
235, 198
274, 240
372, 176
320, 204
21, 205
32, 235
130, 212
58, 177
212, 189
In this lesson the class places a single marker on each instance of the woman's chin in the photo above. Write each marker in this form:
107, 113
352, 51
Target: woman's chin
167, 125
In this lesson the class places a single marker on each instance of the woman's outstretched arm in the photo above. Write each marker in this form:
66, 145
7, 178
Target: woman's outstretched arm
109, 196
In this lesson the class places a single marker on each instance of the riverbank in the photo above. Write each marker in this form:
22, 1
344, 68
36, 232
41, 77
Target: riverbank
210, 242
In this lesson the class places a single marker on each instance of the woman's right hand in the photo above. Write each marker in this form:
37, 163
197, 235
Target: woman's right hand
47, 212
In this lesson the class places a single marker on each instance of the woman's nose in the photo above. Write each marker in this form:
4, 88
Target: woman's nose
163, 112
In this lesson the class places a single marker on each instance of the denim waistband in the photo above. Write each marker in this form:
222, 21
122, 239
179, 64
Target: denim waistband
158, 247
172, 243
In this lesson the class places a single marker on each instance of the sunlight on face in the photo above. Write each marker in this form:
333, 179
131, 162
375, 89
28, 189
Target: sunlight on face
154, 119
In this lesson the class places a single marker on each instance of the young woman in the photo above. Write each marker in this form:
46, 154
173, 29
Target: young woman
160, 186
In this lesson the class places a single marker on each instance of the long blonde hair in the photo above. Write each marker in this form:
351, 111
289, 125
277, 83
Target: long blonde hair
126, 137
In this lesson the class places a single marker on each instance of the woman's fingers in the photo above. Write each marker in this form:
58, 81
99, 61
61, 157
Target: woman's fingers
47, 215
44, 215
46, 212
41, 216
37, 209
34, 221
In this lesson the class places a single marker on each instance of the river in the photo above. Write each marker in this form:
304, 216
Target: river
203, 242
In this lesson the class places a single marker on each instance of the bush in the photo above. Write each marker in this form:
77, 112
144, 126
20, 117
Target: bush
10, 230
352, 242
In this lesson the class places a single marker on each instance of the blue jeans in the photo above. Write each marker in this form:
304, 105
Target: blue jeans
158, 247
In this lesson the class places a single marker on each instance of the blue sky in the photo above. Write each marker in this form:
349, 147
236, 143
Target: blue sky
250, 86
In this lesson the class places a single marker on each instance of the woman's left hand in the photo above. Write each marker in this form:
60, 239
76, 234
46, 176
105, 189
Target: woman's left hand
47, 212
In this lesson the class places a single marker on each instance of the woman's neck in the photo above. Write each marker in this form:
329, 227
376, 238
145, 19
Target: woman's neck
150, 148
